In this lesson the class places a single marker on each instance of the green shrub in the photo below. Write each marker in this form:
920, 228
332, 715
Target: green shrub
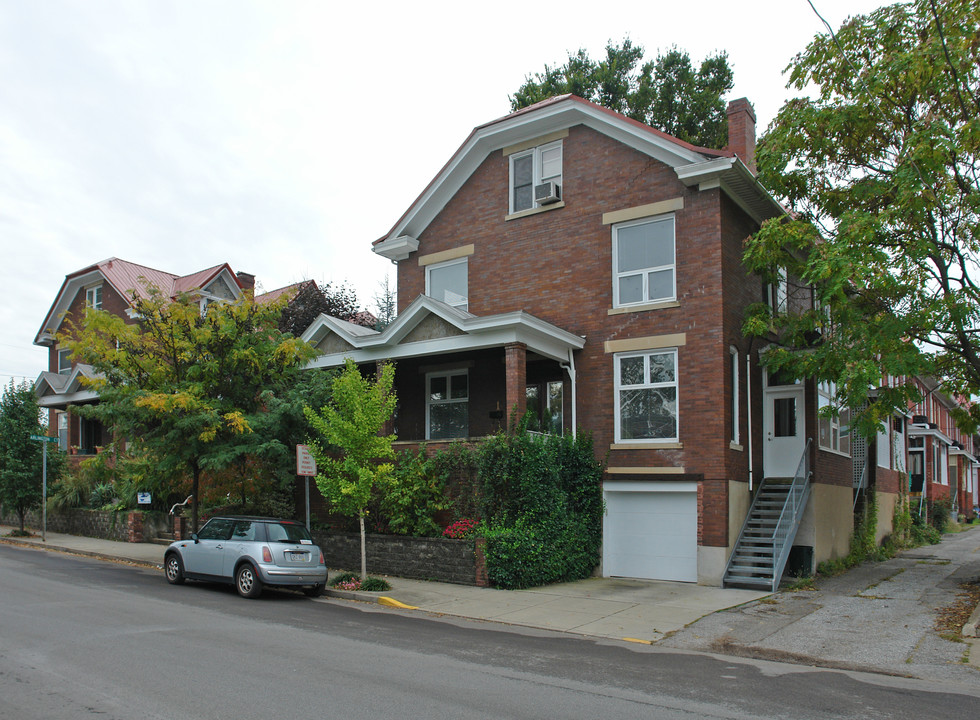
343, 577
375, 584
413, 495
541, 500
939, 513
102, 495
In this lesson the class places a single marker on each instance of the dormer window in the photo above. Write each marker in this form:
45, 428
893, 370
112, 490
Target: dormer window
93, 297
530, 169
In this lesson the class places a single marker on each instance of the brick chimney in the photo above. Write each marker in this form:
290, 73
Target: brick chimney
741, 131
247, 280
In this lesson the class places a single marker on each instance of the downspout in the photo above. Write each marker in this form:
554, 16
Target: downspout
569, 367
748, 398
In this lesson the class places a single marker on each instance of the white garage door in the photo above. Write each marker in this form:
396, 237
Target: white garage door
651, 530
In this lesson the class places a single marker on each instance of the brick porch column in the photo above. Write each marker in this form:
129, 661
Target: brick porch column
389, 426
515, 361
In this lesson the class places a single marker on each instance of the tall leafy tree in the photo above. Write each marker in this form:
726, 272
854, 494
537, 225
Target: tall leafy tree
312, 300
667, 93
352, 454
20, 457
878, 162
189, 384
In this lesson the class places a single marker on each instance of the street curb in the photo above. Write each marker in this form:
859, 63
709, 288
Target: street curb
83, 553
970, 629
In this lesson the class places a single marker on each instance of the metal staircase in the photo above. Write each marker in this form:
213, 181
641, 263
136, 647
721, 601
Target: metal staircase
763, 545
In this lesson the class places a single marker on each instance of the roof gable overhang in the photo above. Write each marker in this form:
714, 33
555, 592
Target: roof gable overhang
465, 332
729, 174
72, 285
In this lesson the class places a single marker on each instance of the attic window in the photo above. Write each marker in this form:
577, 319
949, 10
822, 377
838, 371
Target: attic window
64, 362
93, 297
531, 168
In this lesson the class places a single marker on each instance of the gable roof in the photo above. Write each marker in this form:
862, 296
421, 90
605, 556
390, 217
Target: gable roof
703, 167
57, 390
454, 330
124, 277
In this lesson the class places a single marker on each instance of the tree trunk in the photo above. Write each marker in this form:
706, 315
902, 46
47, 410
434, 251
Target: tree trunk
363, 550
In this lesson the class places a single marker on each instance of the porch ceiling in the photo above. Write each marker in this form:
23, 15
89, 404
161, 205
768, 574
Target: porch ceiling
463, 332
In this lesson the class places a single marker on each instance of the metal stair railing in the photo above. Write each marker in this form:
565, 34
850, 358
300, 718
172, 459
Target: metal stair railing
789, 519
785, 531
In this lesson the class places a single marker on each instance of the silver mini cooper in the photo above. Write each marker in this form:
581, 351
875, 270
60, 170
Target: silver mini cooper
249, 552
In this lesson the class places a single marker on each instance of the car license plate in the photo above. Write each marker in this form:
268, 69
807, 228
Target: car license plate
297, 555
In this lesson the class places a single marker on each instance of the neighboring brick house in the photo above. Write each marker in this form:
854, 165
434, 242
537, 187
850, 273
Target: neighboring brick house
942, 458
108, 285
574, 262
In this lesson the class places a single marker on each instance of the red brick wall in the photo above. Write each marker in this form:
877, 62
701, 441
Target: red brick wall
557, 265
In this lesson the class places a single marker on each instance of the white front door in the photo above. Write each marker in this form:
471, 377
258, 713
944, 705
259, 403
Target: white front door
784, 426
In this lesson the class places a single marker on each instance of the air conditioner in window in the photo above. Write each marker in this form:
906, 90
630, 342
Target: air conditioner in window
547, 193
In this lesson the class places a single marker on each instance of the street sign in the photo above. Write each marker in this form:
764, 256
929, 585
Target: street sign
305, 464
143, 498
44, 438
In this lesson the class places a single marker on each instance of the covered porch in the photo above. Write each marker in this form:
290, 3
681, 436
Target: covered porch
460, 376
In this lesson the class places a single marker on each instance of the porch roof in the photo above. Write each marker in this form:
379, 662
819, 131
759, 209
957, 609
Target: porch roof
429, 327
54, 390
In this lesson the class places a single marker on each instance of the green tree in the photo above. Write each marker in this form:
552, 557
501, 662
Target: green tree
878, 165
349, 448
188, 384
667, 93
312, 300
20, 457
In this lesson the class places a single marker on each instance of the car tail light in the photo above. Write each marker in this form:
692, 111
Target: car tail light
322, 562
266, 554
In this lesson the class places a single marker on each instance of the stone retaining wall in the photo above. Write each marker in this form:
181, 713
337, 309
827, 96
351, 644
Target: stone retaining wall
441, 559
123, 526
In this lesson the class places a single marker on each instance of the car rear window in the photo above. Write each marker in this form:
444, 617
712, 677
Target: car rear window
288, 532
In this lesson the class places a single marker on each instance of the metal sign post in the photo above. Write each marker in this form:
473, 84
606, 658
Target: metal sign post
44, 440
306, 468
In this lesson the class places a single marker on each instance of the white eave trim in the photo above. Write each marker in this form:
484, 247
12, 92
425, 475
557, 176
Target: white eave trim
524, 127
397, 248
738, 182
478, 333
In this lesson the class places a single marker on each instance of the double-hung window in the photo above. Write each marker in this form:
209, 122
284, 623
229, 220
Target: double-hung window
646, 396
447, 407
448, 282
644, 267
93, 297
832, 423
64, 362
531, 168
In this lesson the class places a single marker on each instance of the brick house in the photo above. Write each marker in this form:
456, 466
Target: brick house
108, 285
942, 458
581, 265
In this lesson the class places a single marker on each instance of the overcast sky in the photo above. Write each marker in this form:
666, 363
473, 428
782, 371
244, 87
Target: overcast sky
283, 137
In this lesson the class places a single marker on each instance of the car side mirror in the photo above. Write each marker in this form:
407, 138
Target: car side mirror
194, 538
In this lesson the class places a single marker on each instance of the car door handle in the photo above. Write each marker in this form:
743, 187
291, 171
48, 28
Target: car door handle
218, 547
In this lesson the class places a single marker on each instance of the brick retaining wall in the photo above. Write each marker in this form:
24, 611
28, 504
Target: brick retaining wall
441, 559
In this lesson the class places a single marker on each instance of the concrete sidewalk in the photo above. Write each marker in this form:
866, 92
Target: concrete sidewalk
635, 610
877, 617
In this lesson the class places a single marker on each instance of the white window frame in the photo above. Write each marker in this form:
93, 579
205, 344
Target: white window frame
441, 266
93, 297
733, 361
827, 395
644, 273
64, 368
429, 402
779, 293
537, 176
619, 388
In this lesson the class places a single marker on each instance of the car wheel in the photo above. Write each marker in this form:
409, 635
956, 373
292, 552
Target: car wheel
314, 591
174, 569
247, 581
